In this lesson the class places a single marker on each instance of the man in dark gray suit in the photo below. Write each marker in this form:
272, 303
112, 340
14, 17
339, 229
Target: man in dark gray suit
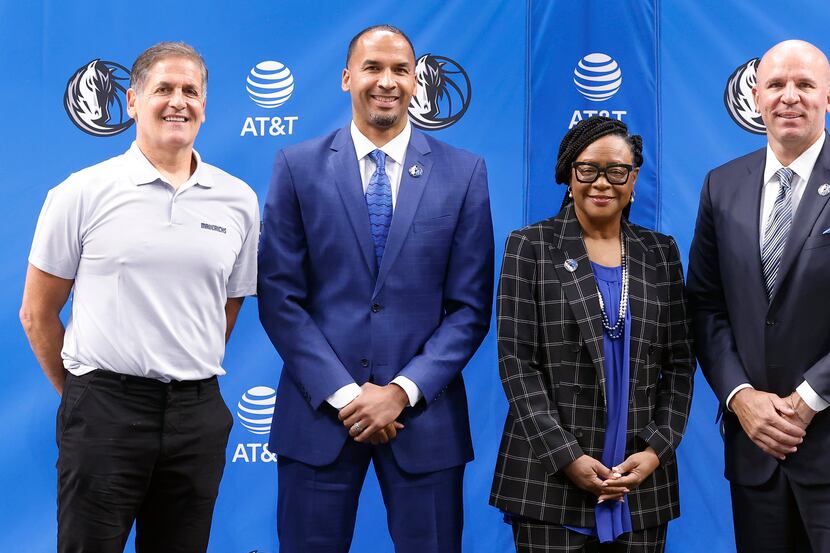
759, 284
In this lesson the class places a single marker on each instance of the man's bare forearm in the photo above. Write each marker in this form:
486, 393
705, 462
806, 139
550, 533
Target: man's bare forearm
45, 335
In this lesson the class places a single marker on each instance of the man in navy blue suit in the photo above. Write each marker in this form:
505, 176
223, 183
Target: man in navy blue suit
375, 286
758, 280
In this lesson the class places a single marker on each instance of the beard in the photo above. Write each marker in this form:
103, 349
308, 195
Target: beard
384, 121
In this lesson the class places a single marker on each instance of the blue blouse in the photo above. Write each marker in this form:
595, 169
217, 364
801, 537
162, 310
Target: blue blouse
613, 517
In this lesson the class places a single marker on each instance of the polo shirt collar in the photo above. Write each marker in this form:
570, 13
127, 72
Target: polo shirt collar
395, 148
141, 171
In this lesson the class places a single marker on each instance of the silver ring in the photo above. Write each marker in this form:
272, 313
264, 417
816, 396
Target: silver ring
356, 428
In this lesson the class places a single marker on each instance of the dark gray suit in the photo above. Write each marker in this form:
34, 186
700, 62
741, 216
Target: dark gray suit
744, 337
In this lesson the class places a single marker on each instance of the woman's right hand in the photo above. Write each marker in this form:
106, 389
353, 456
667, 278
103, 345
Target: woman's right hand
592, 476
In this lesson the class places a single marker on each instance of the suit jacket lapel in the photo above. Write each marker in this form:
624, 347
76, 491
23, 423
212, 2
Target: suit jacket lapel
642, 302
579, 286
409, 197
812, 203
346, 173
751, 211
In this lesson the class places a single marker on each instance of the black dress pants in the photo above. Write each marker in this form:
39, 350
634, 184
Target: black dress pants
781, 516
138, 450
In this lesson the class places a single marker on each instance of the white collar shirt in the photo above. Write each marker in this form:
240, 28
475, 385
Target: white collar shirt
802, 168
153, 266
395, 151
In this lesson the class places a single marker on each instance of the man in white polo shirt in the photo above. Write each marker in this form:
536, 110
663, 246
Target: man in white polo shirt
160, 249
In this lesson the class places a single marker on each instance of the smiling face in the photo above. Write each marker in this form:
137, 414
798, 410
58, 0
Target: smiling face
169, 108
380, 77
599, 204
792, 96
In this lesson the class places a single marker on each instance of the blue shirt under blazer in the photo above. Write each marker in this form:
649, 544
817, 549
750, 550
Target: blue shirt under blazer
336, 318
744, 337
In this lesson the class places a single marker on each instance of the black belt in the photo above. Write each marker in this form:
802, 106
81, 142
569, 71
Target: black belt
144, 381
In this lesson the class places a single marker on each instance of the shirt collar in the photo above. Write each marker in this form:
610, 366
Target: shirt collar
141, 171
395, 148
801, 166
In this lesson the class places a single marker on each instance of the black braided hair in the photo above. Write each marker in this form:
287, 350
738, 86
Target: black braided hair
586, 132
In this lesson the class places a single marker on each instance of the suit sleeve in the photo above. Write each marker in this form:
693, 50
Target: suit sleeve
674, 388
283, 293
531, 404
468, 295
716, 350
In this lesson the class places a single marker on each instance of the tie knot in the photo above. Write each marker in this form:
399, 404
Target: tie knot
785, 176
379, 158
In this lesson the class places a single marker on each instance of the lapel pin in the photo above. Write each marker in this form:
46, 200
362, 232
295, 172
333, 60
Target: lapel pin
416, 171
824, 189
570, 265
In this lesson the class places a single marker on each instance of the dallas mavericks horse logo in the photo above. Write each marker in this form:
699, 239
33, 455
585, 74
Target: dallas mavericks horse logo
95, 98
738, 98
443, 93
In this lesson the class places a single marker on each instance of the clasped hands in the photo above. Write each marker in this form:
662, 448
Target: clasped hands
370, 417
612, 483
775, 424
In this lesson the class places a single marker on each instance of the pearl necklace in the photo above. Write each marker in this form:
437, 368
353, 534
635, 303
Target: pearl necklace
614, 332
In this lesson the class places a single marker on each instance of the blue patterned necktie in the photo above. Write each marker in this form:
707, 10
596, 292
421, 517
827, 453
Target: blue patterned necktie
778, 228
379, 202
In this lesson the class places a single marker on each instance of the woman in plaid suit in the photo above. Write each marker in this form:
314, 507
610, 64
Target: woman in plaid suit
596, 361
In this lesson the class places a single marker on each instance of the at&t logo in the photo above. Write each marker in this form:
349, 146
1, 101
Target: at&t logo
254, 411
597, 77
270, 84
95, 99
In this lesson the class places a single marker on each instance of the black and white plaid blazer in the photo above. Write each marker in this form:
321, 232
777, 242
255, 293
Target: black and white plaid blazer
550, 343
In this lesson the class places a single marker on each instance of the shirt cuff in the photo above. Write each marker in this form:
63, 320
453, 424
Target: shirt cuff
411, 389
810, 397
737, 389
343, 396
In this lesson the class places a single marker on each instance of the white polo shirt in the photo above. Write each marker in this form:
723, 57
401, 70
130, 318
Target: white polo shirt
153, 266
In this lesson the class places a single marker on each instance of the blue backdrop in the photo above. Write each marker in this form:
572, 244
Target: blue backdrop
533, 67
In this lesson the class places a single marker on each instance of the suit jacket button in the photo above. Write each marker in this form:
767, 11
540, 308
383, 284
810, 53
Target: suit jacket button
364, 362
770, 323
578, 433
375, 307
577, 389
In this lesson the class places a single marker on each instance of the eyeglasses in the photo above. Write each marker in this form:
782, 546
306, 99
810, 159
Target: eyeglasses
615, 173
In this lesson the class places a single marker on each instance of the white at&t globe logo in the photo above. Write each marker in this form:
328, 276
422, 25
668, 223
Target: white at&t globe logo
597, 77
256, 409
270, 84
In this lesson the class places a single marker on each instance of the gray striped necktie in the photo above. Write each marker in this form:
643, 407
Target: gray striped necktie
778, 228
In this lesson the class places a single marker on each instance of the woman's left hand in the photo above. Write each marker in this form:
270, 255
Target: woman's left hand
633, 471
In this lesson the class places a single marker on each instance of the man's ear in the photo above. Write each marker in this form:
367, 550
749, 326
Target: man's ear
346, 80
131, 98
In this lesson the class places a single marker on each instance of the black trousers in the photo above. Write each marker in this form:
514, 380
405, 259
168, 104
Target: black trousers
539, 537
781, 516
138, 450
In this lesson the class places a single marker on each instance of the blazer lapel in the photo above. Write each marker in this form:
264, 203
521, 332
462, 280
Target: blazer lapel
346, 173
579, 286
642, 302
812, 203
751, 211
406, 205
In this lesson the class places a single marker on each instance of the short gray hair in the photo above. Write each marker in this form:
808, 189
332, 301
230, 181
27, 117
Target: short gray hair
148, 58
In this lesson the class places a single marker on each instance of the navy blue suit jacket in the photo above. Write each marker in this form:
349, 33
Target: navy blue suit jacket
336, 318
773, 344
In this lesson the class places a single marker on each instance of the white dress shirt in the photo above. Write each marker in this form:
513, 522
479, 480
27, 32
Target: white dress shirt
802, 168
395, 151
